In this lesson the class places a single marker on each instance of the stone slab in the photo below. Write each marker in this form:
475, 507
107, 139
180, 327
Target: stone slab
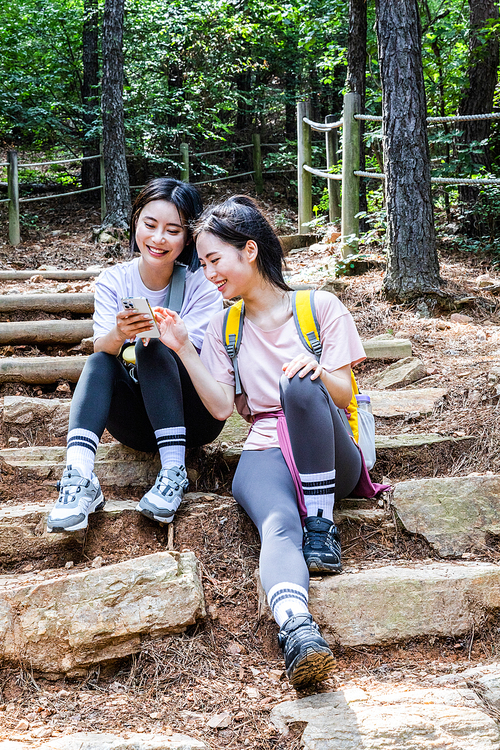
454, 514
106, 741
389, 604
418, 719
387, 348
399, 403
51, 413
115, 464
63, 622
403, 372
133, 741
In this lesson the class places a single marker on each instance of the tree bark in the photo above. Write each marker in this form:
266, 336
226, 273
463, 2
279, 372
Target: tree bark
412, 262
482, 79
113, 129
356, 79
90, 83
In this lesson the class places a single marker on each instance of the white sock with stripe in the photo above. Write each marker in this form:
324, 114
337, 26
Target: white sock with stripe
172, 446
287, 600
319, 493
81, 450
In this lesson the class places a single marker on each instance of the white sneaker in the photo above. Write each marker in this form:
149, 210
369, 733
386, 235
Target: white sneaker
77, 498
162, 500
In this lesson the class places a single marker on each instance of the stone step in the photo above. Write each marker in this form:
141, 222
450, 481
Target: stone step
64, 621
392, 713
107, 741
398, 403
395, 603
387, 347
454, 514
24, 536
119, 466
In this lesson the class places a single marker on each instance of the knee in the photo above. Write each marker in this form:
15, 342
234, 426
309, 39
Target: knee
299, 392
155, 351
100, 362
283, 524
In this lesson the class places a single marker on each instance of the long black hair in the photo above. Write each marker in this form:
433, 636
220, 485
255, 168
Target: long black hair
187, 201
238, 220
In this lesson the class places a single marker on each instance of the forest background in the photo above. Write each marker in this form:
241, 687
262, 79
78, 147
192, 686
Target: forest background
212, 73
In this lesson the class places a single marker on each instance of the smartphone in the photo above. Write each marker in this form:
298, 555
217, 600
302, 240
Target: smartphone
141, 305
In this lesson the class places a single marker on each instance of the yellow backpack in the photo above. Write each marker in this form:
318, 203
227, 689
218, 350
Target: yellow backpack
306, 322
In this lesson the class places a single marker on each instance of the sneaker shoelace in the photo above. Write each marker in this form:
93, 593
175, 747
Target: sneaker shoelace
166, 484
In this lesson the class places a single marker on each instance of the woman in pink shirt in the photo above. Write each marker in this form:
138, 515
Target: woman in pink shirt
242, 256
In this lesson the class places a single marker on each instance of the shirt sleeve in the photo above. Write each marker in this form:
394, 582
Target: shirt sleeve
339, 336
107, 304
199, 308
213, 354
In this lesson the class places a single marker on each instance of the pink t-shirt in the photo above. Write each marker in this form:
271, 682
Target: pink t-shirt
263, 353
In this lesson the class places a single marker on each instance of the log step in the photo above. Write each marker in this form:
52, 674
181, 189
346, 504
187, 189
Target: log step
56, 275
41, 370
53, 303
45, 332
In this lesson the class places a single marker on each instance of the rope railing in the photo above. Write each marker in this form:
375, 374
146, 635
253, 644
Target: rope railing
58, 195
224, 150
59, 161
323, 127
221, 179
320, 173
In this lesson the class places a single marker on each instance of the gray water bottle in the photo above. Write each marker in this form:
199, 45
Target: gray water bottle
364, 402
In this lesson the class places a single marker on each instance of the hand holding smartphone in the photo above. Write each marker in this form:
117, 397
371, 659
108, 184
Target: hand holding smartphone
142, 306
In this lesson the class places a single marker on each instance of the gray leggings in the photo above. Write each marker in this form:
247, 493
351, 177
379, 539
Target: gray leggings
264, 488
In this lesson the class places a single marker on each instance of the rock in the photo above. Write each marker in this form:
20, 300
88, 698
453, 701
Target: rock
396, 603
52, 414
461, 319
423, 719
105, 741
399, 403
219, 721
387, 347
115, 464
484, 280
454, 514
235, 430
64, 622
400, 373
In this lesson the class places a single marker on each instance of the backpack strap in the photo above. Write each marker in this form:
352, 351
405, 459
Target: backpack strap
306, 322
232, 331
175, 292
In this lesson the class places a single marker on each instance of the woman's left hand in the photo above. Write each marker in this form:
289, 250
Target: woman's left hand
173, 330
303, 364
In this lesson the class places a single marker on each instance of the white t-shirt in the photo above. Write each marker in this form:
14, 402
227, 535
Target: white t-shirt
263, 353
201, 299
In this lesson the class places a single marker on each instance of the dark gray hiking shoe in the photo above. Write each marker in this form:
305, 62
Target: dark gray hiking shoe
321, 545
308, 657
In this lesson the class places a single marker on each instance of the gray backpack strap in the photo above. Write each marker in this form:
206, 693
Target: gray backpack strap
175, 292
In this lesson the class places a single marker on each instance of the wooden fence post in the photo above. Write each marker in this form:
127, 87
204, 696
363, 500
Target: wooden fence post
102, 175
350, 183
13, 194
184, 149
331, 160
257, 163
304, 155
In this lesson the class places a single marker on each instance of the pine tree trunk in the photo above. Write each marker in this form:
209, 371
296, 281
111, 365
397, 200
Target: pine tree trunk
356, 78
113, 130
90, 83
478, 97
412, 263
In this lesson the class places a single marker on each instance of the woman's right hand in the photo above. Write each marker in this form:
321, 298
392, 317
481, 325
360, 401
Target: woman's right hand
174, 333
130, 324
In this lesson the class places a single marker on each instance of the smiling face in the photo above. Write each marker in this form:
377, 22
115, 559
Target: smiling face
231, 270
161, 236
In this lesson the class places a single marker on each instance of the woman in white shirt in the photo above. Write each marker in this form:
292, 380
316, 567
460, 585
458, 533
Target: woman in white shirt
152, 405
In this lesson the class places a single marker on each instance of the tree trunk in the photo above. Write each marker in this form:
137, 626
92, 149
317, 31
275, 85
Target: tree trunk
356, 79
90, 83
113, 129
478, 97
412, 263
